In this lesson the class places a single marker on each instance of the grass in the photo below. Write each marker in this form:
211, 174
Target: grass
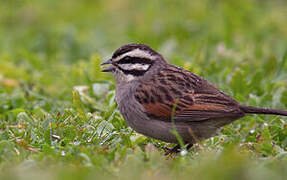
58, 117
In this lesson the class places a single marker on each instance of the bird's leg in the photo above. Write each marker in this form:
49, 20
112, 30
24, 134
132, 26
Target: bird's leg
176, 149
189, 146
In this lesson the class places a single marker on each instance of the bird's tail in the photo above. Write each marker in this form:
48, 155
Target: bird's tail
256, 110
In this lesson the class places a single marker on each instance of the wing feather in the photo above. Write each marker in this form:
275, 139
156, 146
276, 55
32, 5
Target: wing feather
192, 98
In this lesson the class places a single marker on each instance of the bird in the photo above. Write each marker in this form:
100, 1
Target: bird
157, 98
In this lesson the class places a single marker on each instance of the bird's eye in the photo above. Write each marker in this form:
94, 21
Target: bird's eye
127, 58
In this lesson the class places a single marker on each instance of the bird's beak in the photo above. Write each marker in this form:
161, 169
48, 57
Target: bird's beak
110, 68
109, 61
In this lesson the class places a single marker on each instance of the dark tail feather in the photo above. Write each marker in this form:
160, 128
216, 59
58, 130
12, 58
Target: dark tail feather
255, 110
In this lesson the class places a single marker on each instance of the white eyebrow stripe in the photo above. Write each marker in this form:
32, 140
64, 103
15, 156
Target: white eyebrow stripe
136, 53
137, 66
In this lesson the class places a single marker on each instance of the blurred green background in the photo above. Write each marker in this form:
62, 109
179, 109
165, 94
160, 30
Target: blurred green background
58, 118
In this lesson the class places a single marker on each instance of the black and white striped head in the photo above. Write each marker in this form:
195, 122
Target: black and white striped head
132, 61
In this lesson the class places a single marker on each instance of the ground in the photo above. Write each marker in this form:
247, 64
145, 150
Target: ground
58, 117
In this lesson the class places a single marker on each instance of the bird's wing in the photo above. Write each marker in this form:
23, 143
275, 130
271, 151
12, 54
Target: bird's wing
185, 97
208, 106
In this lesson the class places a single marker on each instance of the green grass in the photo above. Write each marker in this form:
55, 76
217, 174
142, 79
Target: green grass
50, 49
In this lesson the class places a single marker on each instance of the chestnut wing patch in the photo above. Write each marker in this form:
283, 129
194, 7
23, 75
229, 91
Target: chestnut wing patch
157, 101
158, 110
191, 107
181, 108
192, 97
209, 106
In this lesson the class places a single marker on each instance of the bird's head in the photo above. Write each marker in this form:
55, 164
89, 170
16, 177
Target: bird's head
132, 62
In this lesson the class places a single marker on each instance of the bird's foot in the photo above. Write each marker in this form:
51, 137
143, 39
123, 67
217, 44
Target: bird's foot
175, 149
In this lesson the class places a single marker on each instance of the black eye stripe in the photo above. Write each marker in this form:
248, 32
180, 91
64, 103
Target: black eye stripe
132, 72
134, 60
